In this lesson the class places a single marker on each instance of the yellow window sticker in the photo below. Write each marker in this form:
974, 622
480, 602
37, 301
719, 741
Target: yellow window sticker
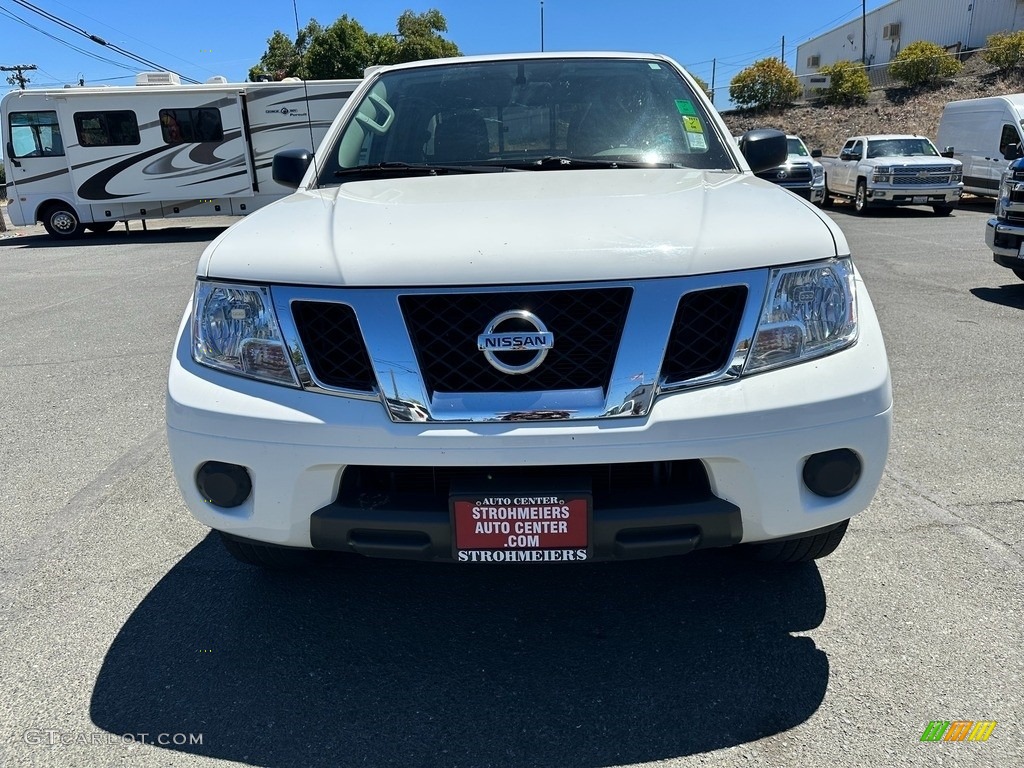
692, 124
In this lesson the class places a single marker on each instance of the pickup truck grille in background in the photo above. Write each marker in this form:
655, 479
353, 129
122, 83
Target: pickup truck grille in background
334, 345
921, 175
703, 333
587, 325
794, 174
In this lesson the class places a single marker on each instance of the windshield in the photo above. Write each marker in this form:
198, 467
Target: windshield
796, 147
901, 148
477, 116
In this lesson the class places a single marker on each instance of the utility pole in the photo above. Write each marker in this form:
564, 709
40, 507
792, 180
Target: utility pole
542, 26
864, 32
783, 49
18, 78
714, 64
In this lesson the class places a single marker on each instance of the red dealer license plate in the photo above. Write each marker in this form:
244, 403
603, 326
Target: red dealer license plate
532, 527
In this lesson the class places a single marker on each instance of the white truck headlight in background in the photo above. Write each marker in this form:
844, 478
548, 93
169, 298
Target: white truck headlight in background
234, 329
817, 175
810, 311
881, 174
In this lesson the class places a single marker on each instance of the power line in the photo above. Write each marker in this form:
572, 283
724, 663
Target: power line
82, 51
96, 39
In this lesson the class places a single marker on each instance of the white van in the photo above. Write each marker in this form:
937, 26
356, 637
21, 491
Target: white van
985, 135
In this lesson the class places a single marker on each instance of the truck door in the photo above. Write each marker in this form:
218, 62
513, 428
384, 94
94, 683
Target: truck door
1008, 136
37, 167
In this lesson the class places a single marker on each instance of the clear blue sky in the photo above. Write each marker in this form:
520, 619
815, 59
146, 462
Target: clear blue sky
201, 39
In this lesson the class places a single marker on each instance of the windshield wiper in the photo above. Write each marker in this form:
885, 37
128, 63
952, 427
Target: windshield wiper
560, 162
422, 169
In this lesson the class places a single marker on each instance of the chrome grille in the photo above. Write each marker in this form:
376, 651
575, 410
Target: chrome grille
922, 175
334, 346
703, 333
586, 324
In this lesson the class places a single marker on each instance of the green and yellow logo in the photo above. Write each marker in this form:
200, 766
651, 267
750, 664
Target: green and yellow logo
958, 730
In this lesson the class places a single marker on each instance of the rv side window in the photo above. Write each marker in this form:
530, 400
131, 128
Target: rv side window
1008, 137
191, 125
107, 129
35, 134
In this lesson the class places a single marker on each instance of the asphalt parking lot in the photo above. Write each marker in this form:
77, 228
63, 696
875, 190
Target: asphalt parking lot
128, 636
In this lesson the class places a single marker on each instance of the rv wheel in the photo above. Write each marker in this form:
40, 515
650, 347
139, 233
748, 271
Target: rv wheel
61, 222
99, 227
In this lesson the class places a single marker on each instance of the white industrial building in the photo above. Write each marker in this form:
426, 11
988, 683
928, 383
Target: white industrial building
879, 35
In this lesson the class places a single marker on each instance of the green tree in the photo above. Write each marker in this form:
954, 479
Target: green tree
340, 51
344, 49
419, 37
849, 83
1005, 49
765, 84
924, 63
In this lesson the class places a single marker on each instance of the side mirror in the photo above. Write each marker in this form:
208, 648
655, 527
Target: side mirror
290, 166
10, 155
764, 148
947, 152
816, 153
1012, 152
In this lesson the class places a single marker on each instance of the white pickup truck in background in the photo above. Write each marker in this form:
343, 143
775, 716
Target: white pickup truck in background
893, 169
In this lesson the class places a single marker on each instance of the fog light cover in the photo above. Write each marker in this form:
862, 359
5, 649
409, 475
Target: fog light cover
222, 484
832, 473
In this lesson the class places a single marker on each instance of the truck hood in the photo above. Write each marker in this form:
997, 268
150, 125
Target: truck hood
523, 227
902, 161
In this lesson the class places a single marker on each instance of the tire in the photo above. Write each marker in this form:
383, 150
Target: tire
100, 227
860, 198
61, 222
943, 210
1019, 273
800, 550
266, 555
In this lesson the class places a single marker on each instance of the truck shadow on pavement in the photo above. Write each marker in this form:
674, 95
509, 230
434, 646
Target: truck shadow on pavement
393, 663
118, 236
1009, 295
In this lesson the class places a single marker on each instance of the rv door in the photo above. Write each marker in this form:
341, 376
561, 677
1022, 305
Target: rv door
36, 163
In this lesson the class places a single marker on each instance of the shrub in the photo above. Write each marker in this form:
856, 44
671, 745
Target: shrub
1005, 49
849, 84
924, 63
765, 83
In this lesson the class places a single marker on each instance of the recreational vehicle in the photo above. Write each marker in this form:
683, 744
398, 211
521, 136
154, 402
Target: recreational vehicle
85, 158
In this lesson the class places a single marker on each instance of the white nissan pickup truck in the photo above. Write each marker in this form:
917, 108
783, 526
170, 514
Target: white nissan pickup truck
529, 309
890, 170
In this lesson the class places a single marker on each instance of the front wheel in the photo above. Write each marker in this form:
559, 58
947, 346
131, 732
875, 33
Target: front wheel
860, 199
942, 210
62, 222
799, 550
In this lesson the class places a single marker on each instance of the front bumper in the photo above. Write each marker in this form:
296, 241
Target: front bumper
894, 196
1005, 239
751, 437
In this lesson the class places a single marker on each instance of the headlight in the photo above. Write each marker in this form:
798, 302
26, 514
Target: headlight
810, 311
818, 173
234, 329
881, 173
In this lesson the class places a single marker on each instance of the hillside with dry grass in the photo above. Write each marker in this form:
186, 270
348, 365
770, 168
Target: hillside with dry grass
888, 110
